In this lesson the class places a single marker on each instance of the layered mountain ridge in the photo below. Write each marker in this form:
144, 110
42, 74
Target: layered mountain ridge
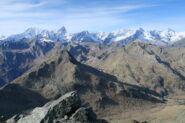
61, 73
121, 37
118, 78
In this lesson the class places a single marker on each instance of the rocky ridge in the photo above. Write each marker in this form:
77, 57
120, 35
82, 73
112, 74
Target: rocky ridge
62, 73
66, 109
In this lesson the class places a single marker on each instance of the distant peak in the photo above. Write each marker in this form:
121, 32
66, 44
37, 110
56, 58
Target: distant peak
141, 29
62, 30
85, 32
169, 30
139, 32
32, 30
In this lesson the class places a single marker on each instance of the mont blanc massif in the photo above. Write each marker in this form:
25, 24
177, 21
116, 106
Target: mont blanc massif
125, 76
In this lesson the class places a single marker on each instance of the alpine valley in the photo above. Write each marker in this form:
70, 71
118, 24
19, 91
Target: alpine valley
125, 76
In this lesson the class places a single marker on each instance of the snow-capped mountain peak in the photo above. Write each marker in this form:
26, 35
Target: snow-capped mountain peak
141, 30
123, 36
84, 36
32, 31
28, 33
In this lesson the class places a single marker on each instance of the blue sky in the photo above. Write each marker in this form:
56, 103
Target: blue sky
92, 15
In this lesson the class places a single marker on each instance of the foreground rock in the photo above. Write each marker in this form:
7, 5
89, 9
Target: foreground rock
66, 109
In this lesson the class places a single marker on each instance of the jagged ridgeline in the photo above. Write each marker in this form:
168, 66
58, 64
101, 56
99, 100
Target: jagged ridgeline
115, 80
61, 73
120, 37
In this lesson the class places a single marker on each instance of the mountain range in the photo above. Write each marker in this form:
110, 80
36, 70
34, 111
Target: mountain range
121, 37
119, 74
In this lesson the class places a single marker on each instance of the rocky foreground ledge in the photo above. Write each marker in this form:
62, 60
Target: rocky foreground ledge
66, 109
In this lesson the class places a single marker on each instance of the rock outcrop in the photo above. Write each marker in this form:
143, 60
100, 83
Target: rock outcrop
66, 109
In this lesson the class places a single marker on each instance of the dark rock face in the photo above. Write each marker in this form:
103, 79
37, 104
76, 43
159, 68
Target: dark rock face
135, 121
84, 114
66, 109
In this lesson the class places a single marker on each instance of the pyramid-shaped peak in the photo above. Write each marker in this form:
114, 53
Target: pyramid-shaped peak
64, 55
141, 29
32, 30
62, 30
85, 32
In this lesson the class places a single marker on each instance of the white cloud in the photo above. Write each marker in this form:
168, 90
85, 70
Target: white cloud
11, 9
35, 13
19, 7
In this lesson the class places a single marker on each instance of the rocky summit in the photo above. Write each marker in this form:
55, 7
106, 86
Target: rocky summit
66, 109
